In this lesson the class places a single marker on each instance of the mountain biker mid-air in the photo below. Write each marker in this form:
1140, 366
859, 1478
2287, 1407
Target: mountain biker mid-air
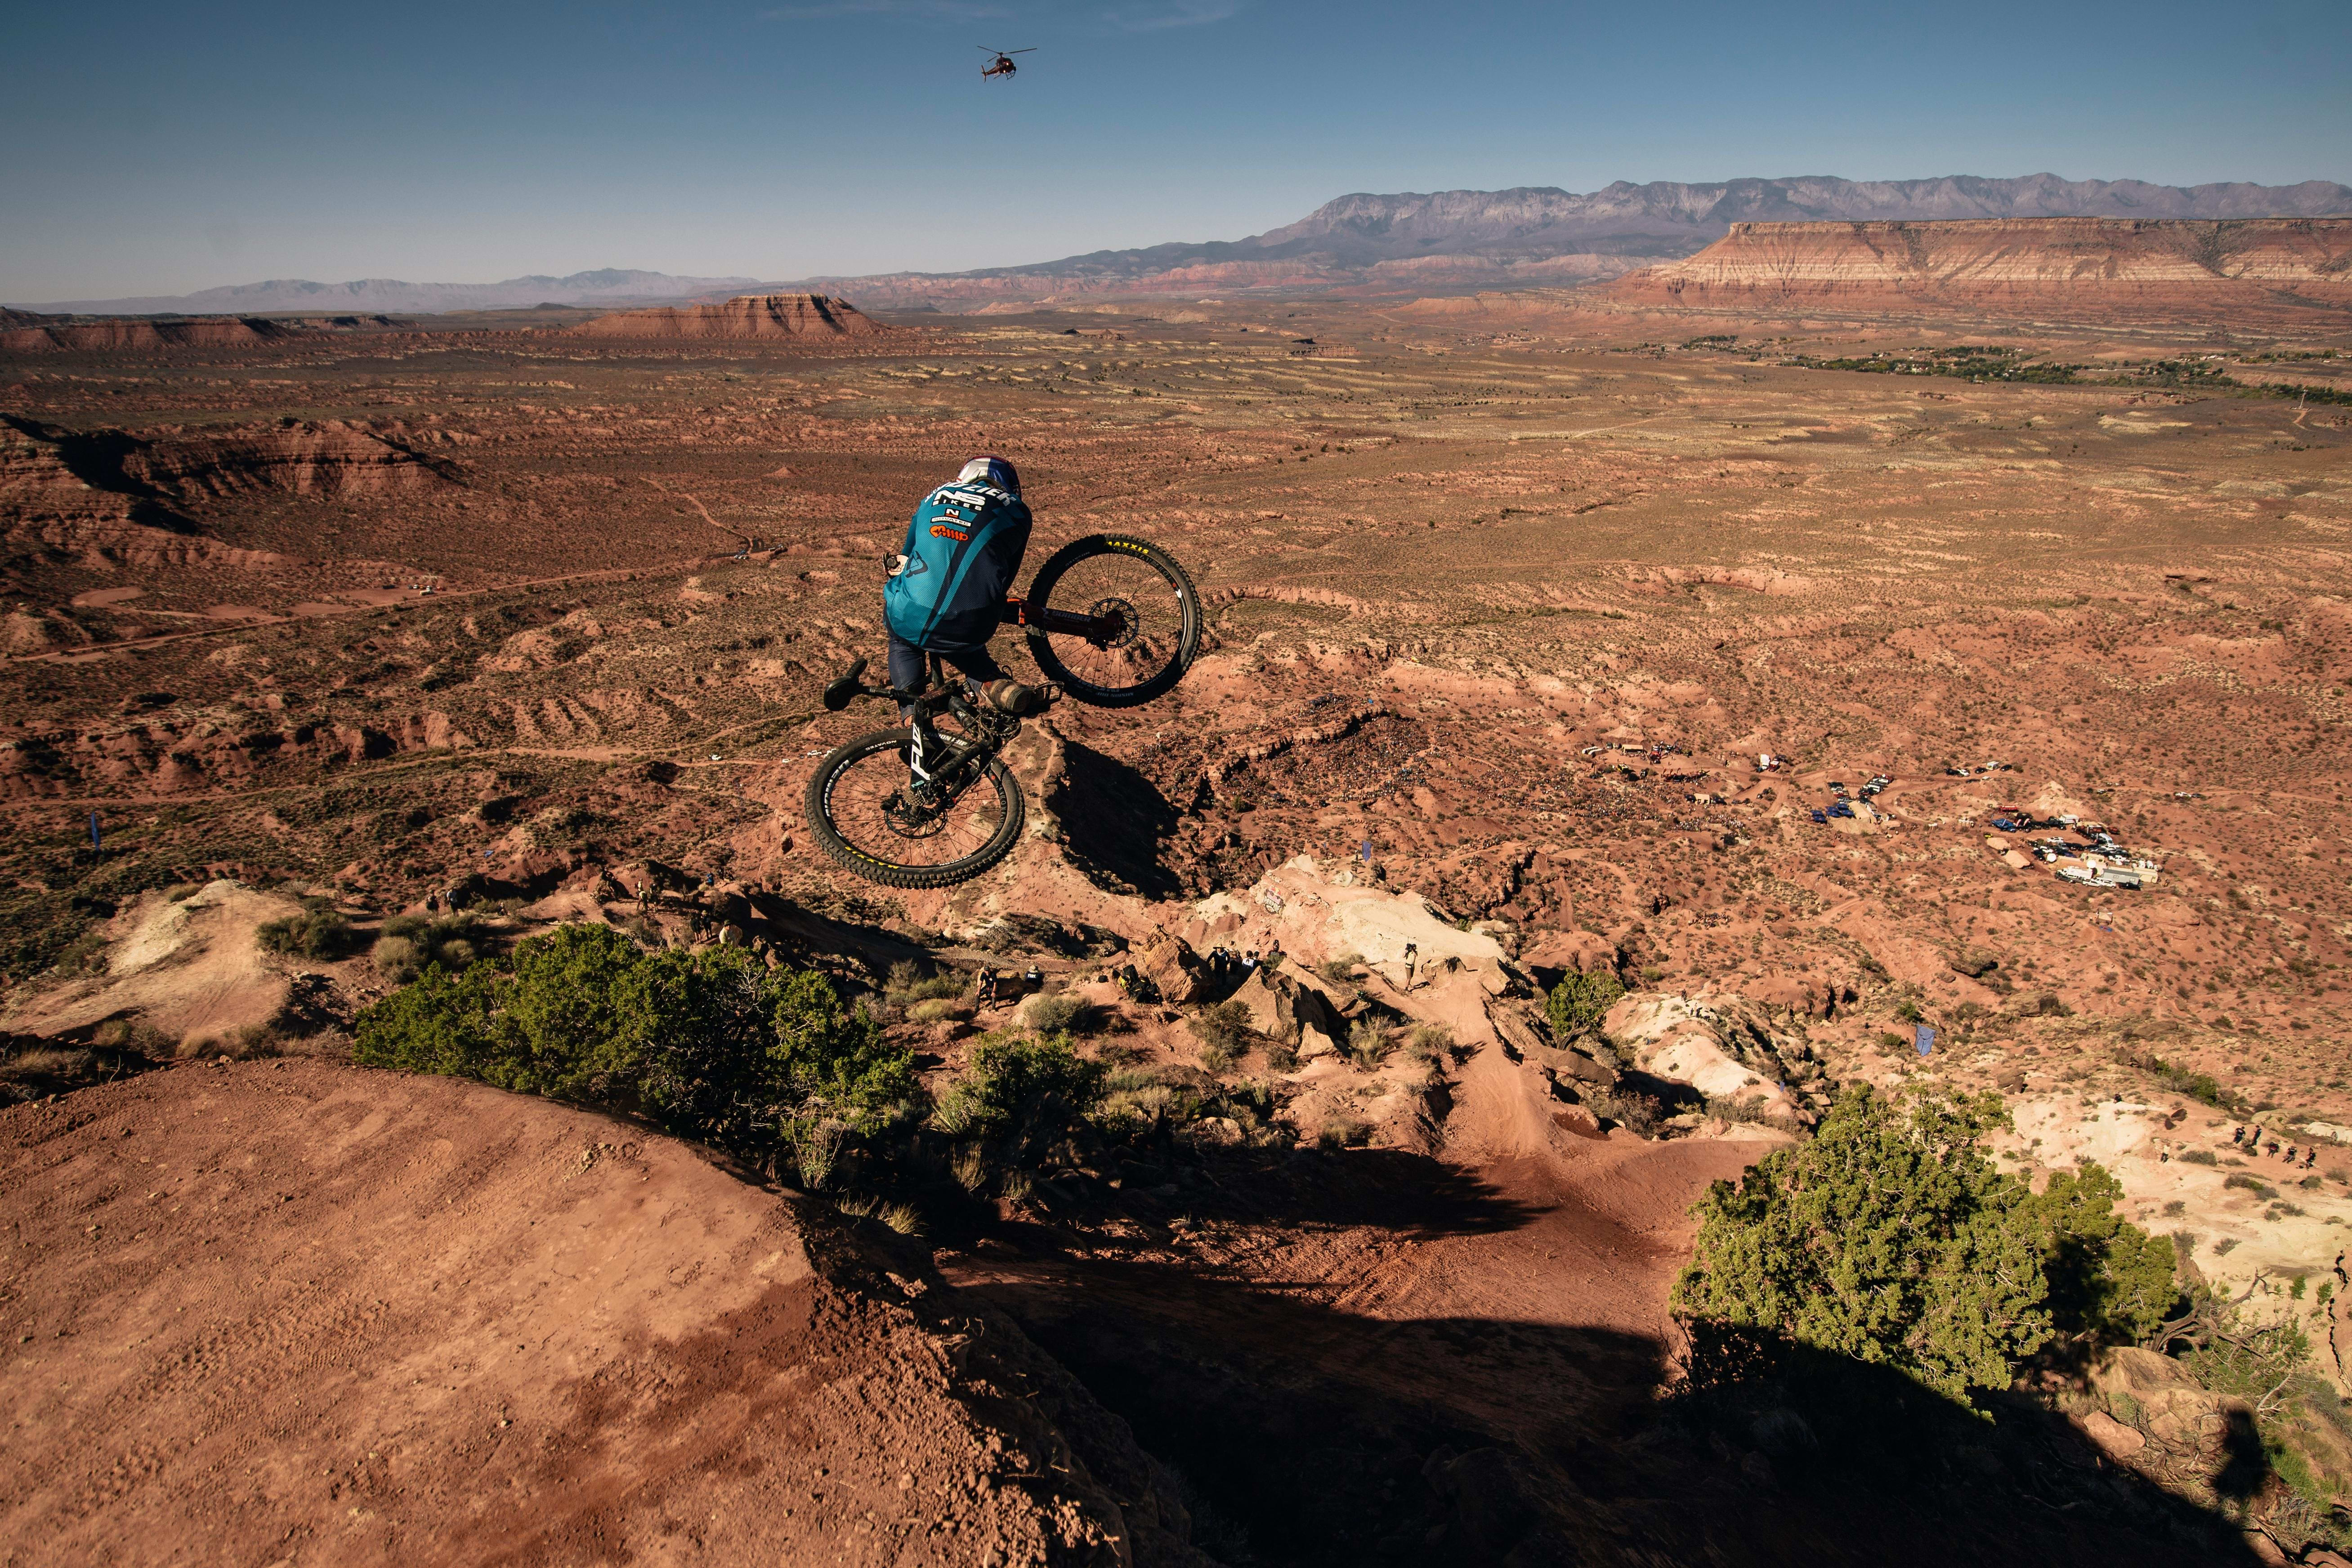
946, 592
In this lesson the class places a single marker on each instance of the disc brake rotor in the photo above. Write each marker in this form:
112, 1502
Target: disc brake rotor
910, 817
1130, 624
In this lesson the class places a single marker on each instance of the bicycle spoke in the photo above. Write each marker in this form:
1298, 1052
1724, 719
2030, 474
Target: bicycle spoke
877, 810
1147, 611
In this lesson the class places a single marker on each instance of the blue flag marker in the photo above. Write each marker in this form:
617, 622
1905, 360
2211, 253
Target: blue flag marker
93, 830
1925, 1039
1368, 851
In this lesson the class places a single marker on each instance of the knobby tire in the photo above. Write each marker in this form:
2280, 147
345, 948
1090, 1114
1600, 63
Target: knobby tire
1188, 629
872, 867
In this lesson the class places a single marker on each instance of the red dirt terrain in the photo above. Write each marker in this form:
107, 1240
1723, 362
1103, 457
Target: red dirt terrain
288, 1312
1505, 597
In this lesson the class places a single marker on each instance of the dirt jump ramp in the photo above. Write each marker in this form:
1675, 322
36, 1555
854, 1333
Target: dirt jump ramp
297, 1314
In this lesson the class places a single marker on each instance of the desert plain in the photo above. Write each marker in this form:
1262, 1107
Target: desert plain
1556, 632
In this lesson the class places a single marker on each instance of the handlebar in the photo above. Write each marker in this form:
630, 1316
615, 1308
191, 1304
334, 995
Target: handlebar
849, 687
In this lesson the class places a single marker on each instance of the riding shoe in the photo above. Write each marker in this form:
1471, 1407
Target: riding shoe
1012, 697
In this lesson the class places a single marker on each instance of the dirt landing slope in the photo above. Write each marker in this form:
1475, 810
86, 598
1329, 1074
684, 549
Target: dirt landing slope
306, 1314
745, 316
2095, 262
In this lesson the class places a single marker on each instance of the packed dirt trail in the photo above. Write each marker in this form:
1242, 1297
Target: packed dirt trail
296, 1314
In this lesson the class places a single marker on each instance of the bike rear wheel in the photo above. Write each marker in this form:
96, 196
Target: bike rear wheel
866, 815
1148, 609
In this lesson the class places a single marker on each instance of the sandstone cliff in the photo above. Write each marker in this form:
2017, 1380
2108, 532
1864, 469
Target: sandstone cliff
2025, 262
745, 316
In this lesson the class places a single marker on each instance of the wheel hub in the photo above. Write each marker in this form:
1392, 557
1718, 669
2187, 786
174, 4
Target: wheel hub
1114, 613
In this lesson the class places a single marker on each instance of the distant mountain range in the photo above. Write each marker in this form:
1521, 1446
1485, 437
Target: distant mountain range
1438, 242
279, 296
1540, 234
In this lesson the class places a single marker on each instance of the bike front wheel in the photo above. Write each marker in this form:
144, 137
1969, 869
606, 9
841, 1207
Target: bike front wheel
1146, 618
868, 814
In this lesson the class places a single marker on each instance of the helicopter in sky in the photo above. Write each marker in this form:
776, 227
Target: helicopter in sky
1003, 64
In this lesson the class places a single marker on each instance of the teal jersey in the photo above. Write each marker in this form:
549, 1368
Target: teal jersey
963, 549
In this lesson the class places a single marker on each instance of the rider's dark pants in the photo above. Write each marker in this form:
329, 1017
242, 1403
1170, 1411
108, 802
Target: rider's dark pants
911, 666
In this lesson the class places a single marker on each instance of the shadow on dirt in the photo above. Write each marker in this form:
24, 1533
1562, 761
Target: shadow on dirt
1114, 821
1310, 1435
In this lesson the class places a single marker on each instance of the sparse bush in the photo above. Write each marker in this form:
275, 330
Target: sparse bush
2200, 1157
1340, 971
2248, 1184
1889, 1040
904, 1218
320, 934
1226, 1033
908, 984
1059, 1015
1909, 1011
1020, 1093
398, 958
1577, 1004
1890, 1238
1344, 1132
1368, 1044
1640, 1114
409, 944
935, 1009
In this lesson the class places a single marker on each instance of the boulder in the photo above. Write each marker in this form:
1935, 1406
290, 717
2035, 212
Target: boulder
1174, 968
2115, 1440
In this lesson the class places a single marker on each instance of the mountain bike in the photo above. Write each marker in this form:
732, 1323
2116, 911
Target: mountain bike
1112, 622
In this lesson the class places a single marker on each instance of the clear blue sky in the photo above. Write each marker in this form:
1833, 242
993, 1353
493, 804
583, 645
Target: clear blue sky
155, 149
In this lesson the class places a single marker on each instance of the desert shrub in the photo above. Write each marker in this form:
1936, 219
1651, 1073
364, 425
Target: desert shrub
320, 934
907, 984
2108, 1282
1909, 1011
1020, 1094
1216, 1056
1059, 1015
1281, 1057
1340, 971
2201, 1156
407, 945
1344, 1132
1431, 1042
1889, 1040
935, 1009
1579, 1002
1224, 1031
2248, 1184
1640, 1114
1368, 1044
1890, 1238
709, 1044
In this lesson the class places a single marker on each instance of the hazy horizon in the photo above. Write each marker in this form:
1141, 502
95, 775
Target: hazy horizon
160, 153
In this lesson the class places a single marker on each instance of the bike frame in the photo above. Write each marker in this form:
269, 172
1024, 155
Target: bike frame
1097, 628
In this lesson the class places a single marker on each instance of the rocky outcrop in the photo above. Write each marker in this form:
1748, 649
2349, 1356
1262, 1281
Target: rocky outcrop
1725, 1047
745, 316
2043, 262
